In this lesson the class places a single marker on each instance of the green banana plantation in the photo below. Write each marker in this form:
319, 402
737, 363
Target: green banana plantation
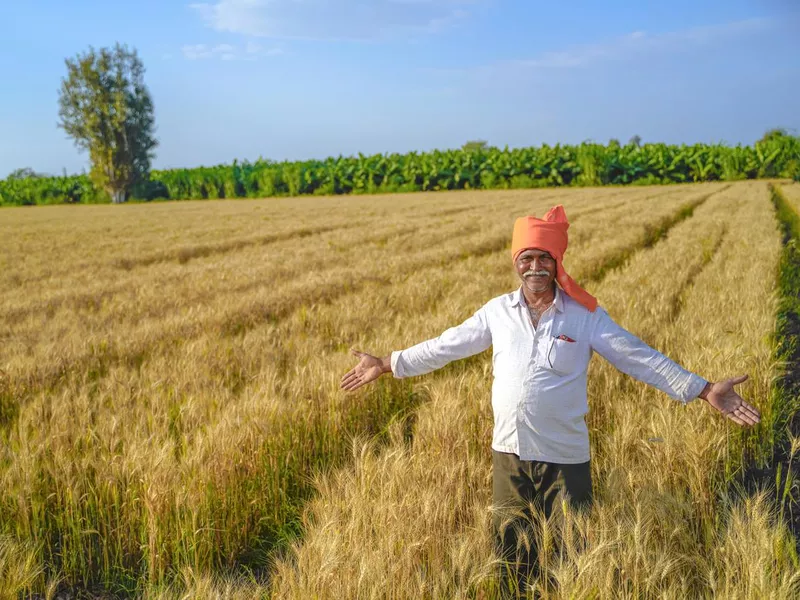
587, 164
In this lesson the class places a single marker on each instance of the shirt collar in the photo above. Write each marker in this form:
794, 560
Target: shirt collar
519, 299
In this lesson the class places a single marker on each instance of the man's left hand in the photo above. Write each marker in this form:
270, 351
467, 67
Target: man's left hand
724, 398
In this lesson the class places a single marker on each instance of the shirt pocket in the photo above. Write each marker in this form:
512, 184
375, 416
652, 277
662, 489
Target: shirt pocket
563, 357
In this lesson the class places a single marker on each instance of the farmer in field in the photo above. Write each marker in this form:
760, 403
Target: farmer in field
543, 335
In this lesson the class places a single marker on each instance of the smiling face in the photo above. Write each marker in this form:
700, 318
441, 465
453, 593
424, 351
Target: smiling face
536, 269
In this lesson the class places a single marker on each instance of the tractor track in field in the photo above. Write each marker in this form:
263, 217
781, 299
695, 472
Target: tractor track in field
679, 298
636, 199
652, 236
186, 253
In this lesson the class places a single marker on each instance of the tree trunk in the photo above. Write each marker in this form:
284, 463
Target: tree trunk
118, 196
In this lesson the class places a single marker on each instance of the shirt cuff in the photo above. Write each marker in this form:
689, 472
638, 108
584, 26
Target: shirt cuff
398, 371
693, 388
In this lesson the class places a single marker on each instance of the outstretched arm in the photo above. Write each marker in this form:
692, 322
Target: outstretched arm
470, 337
634, 357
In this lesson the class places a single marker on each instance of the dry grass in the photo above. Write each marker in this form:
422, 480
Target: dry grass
172, 385
19, 569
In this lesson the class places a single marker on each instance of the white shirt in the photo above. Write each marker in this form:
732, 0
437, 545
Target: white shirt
539, 387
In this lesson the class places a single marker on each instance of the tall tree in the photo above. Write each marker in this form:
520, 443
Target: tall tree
106, 108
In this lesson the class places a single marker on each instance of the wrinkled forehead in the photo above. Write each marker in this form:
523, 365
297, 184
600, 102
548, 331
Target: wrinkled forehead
531, 253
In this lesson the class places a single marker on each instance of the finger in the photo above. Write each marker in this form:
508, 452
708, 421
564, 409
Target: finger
350, 383
351, 378
355, 352
740, 379
350, 373
745, 409
741, 413
749, 406
354, 385
752, 410
750, 417
735, 418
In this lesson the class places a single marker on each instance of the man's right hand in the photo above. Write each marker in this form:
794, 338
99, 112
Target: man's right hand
368, 369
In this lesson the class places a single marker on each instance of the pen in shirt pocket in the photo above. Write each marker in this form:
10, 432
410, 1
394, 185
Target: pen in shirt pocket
565, 338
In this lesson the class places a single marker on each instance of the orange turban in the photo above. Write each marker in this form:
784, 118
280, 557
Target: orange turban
550, 234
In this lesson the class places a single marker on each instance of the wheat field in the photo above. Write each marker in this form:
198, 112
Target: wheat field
172, 424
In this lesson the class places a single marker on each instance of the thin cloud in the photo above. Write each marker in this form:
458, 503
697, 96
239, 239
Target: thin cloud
512, 75
638, 42
250, 51
334, 20
196, 51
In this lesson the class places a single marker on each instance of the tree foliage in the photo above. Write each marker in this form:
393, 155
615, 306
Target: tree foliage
25, 173
106, 108
475, 145
775, 134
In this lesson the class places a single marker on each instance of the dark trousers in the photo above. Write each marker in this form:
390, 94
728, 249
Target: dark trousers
518, 485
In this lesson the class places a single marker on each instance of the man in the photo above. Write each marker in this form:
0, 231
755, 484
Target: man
543, 336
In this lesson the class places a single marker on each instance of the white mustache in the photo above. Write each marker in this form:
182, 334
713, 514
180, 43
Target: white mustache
531, 272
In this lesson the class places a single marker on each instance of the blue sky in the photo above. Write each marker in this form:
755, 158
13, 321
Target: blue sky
296, 79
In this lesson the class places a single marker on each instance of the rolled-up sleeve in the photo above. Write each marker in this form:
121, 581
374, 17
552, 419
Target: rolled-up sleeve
467, 339
633, 357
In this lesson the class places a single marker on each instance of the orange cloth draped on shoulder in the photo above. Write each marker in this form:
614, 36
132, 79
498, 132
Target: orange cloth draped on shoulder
550, 233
